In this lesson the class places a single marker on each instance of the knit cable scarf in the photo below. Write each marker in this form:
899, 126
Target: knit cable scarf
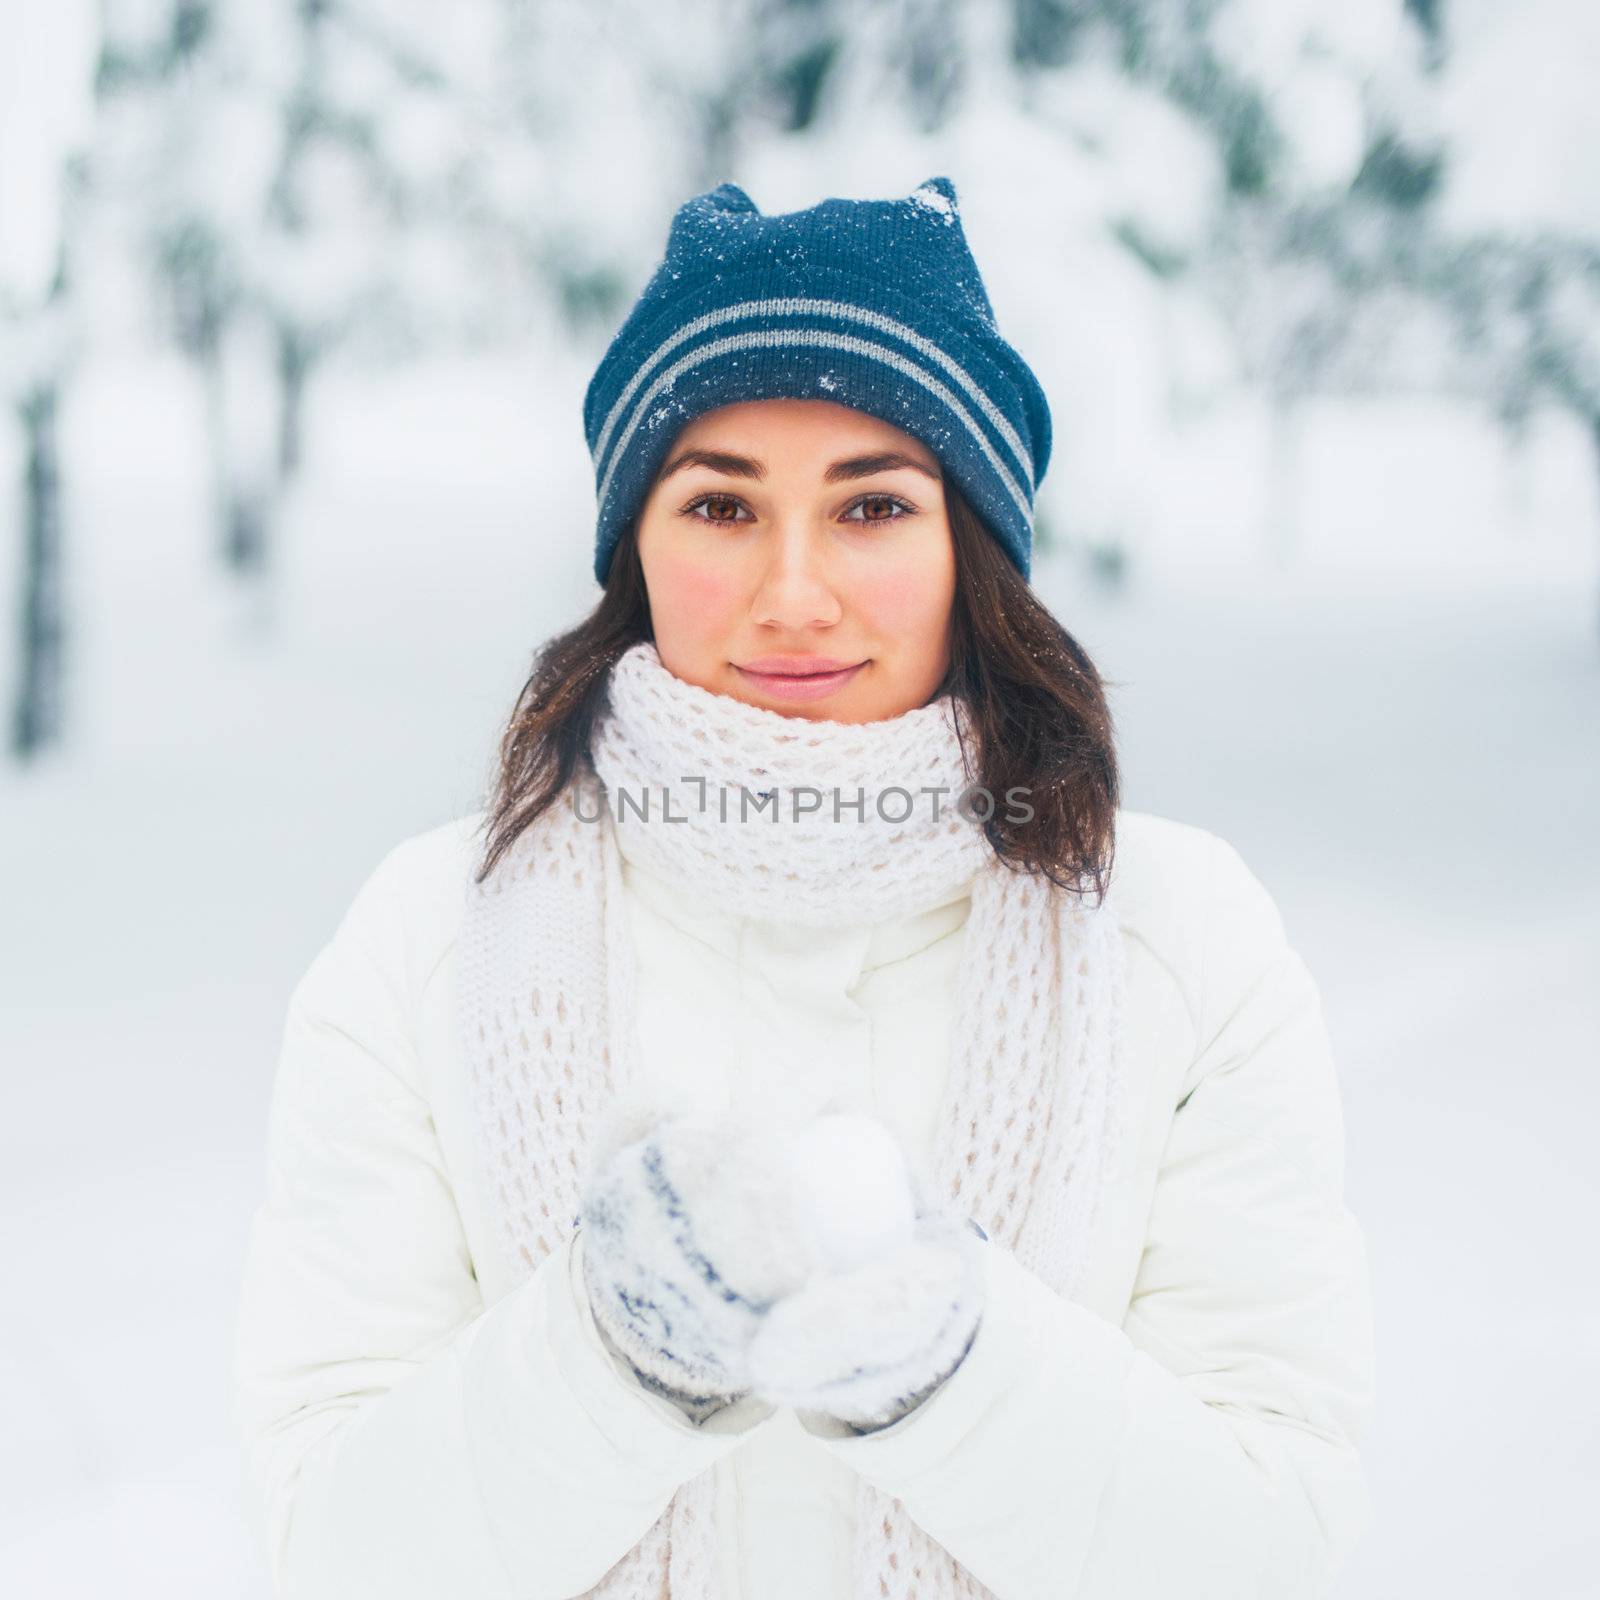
1032, 1117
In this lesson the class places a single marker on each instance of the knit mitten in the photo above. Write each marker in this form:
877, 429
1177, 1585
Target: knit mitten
871, 1343
692, 1229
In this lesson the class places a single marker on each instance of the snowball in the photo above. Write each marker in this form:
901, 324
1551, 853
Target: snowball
854, 1186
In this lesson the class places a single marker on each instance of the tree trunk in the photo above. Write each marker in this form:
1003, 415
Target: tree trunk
240, 392
36, 715
294, 365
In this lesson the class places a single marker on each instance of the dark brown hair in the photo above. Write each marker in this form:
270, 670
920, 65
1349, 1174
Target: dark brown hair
1029, 693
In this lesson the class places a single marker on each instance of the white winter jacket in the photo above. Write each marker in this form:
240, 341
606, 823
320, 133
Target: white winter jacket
415, 1428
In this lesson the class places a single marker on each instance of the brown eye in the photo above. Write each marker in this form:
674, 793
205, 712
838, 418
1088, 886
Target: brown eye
722, 501
884, 508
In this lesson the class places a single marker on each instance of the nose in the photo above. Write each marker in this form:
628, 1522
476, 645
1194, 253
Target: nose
796, 589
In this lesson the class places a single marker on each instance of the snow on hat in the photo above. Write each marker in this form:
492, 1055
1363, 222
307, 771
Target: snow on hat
876, 304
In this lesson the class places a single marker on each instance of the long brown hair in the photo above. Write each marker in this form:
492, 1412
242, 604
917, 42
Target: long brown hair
1028, 691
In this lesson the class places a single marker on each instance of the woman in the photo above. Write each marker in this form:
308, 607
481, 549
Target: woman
802, 1138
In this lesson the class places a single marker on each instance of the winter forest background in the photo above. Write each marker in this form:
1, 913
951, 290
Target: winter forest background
297, 303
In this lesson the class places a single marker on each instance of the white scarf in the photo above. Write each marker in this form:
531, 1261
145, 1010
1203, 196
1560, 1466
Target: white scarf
1033, 1115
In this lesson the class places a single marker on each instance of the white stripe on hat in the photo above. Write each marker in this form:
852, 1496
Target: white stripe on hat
820, 338
835, 308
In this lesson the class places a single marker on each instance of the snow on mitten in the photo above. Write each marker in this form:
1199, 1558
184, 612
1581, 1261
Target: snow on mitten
870, 1343
692, 1229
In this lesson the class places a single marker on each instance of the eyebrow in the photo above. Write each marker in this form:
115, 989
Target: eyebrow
845, 471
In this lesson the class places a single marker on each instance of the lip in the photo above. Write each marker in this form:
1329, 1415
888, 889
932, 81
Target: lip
799, 677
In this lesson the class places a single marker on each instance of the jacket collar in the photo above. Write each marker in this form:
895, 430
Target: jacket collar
895, 939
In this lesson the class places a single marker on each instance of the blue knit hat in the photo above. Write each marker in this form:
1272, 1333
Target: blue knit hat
876, 304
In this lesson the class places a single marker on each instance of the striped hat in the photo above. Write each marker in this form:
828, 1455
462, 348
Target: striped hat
876, 304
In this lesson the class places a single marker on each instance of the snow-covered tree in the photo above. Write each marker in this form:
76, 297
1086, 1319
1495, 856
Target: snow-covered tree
353, 177
45, 82
1521, 205
1463, 257
186, 142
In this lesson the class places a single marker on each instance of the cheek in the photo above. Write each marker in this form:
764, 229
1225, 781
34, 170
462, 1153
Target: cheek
689, 598
907, 602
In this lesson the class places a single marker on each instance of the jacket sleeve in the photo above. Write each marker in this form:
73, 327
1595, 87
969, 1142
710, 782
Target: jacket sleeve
401, 1439
1208, 1447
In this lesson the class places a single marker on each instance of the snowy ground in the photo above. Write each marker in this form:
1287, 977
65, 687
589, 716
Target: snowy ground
1401, 733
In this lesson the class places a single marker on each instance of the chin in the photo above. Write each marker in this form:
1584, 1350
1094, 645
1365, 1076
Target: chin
825, 710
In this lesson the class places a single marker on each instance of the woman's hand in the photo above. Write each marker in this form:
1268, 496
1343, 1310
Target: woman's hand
869, 1344
693, 1227
723, 1254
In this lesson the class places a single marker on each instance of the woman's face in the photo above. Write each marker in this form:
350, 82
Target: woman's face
798, 556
